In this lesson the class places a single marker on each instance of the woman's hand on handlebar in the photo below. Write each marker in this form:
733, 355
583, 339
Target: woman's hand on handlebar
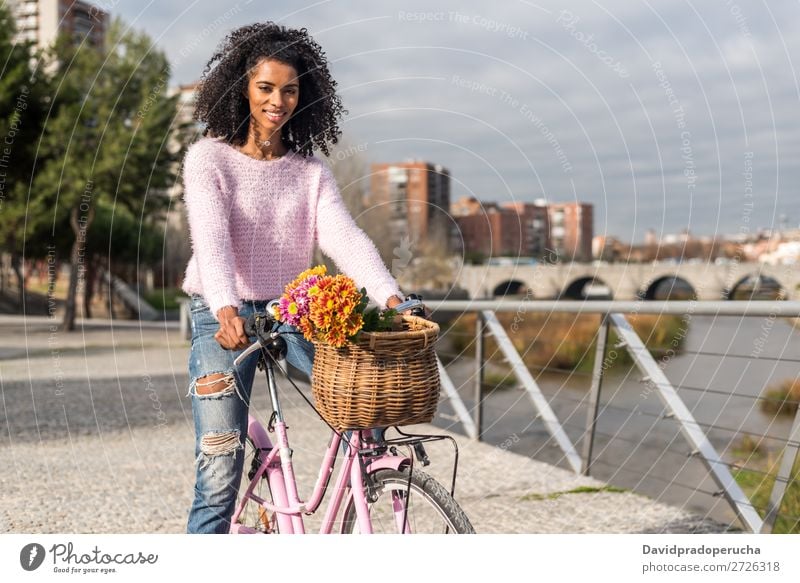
394, 301
231, 334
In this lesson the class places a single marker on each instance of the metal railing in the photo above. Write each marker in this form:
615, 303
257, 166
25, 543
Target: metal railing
613, 317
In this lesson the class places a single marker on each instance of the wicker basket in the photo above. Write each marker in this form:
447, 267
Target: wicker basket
386, 378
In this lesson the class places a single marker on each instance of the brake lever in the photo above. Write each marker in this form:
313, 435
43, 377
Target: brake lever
247, 352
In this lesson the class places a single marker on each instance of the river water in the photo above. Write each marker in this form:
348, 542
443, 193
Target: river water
726, 361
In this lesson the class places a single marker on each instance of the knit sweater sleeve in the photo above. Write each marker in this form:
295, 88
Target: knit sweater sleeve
208, 213
343, 241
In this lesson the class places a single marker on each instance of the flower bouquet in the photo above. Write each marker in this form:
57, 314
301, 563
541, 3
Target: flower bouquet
329, 308
371, 368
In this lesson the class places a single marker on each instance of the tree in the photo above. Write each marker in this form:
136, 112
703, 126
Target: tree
22, 112
117, 233
106, 140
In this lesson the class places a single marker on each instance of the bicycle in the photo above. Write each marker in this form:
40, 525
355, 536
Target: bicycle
380, 488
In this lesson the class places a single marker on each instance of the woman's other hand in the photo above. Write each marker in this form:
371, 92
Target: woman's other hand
231, 334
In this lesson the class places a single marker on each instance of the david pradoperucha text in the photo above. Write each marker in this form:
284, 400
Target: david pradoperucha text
680, 551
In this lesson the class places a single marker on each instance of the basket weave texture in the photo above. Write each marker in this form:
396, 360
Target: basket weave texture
385, 378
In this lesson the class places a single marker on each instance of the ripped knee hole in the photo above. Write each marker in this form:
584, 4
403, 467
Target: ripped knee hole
220, 443
215, 383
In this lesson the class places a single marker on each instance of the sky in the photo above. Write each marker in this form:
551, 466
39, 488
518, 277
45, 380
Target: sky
665, 115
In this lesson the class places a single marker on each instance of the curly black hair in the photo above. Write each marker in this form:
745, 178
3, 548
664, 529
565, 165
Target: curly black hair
222, 107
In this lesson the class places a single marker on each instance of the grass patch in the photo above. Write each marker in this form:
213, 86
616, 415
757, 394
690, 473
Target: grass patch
164, 298
59, 290
757, 483
783, 398
579, 490
749, 448
499, 380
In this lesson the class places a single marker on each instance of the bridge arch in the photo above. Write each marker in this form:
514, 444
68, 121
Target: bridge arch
587, 288
510, 287
756, 286
669, 287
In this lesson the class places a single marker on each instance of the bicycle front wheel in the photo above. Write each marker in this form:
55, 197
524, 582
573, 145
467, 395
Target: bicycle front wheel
409, 501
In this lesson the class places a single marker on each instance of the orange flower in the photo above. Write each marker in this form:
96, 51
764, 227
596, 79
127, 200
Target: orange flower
331, 306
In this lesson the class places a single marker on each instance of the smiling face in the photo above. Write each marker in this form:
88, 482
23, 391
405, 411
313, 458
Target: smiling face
273, 91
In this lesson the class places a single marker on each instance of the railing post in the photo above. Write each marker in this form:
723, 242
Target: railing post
480, 326
784, 476
543, 408
689, 427
594, 395
462, 413
185, 318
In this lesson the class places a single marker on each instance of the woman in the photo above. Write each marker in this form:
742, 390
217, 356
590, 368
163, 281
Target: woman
257, 201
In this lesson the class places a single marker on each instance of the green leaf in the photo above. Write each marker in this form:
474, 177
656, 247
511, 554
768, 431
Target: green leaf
376, 320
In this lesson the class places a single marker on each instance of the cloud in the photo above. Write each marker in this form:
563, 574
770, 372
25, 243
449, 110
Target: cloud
587, 76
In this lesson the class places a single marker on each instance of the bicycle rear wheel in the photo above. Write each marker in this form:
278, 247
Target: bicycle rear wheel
430, 508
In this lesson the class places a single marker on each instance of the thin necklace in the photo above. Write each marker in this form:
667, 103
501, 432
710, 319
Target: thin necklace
262, 144
265, 143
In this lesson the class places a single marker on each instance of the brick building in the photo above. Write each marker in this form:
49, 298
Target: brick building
418, 194
512, 229
571, 230
40, 21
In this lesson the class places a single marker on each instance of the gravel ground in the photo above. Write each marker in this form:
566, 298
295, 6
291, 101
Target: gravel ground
97, 436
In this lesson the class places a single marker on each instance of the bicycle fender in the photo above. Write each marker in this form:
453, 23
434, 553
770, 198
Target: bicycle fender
388, 462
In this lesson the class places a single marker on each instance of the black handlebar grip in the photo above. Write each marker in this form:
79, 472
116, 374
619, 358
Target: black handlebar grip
420, 311
250, 325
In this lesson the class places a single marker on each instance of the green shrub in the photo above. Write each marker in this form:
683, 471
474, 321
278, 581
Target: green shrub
757, 484
499, 380
782, 399
165, 298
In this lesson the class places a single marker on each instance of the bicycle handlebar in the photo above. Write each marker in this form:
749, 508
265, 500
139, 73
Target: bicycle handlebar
414, 303
260, 324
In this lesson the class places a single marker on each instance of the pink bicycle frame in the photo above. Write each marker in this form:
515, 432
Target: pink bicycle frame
286, 503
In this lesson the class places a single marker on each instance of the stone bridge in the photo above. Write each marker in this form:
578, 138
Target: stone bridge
706, 281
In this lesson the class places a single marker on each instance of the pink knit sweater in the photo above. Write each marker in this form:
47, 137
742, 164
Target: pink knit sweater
253, 225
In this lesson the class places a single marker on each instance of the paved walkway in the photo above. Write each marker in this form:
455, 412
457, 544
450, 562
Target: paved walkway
97, 436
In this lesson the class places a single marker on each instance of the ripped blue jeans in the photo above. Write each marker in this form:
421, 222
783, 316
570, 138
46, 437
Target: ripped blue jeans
220, 418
